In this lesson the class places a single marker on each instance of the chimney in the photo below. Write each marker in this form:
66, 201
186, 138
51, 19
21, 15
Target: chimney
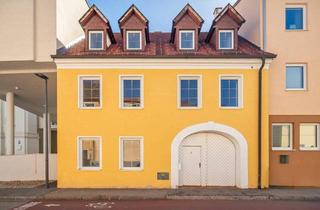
216, 11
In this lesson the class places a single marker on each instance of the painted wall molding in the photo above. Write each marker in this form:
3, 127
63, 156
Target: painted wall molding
160, 63
235, 136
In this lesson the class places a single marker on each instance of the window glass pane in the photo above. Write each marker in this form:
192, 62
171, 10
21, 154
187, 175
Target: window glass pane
186, 40
189, 93
131, 153
294, 77
90, 153
281, 136
131, 93
95, 40
225, 39
229, 93
134, 40
308, 136
294, 18
91, 93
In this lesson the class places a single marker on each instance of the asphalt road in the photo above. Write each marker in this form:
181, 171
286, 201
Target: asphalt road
173, 205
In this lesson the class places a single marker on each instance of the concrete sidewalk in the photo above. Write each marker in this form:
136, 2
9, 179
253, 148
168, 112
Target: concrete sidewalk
187, 193
42, 193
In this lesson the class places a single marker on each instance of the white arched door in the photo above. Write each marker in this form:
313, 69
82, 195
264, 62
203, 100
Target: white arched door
207, 159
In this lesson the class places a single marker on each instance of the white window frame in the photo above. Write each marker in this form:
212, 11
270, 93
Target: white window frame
290, 137
318, 137
121, 88
79, 152
127, 37
232, 40
193, 39
189, 77
304, 7
131, 138
80, 90
102, 44
304, 66
240, 89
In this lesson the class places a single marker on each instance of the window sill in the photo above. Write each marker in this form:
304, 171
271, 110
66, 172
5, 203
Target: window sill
131, 169
90, 108
190, 108
309, 150
231, 108
295, 89
132, 108
90, 169
296, 30
283, 149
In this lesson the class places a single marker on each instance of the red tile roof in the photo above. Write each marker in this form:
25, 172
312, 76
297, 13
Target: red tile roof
160, 46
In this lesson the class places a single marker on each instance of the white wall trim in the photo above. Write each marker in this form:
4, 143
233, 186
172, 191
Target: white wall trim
159, 63
235, 136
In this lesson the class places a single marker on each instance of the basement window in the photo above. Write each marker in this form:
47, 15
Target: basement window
281, 136
90, 92
309, 136
89, 153
131, 153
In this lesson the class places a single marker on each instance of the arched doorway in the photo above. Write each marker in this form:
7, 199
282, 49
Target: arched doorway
207, 159
209, 154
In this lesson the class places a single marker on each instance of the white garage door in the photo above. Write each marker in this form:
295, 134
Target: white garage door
210, 156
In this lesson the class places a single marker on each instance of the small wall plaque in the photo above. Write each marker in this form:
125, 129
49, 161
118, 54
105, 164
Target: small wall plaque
163, 176
284, 159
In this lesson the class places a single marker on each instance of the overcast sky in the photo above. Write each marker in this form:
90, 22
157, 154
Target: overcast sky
159, 12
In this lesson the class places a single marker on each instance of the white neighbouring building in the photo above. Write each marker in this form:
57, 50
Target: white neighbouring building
33, 30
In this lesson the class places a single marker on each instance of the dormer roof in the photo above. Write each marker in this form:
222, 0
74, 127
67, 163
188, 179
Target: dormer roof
133, 10
188, 9
93, 10
192, 12
232, 13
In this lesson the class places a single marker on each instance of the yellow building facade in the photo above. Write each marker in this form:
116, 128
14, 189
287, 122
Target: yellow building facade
162, 110
158, 122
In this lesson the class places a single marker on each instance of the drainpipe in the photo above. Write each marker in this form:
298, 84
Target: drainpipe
260, 120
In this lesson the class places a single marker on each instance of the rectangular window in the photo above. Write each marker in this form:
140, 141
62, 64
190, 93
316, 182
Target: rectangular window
131, 92
186, 40
295, 17
89, 153
90, 92
309, 136
95, 40
134, 40
231, 91
131, 153
281, 136
189, 91
226, 39
295, 77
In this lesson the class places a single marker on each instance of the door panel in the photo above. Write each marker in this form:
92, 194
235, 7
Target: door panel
221, 161
191, 168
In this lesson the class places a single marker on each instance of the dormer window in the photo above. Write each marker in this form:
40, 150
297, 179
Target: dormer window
186, 40
134, 40
95, 40
226, 39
